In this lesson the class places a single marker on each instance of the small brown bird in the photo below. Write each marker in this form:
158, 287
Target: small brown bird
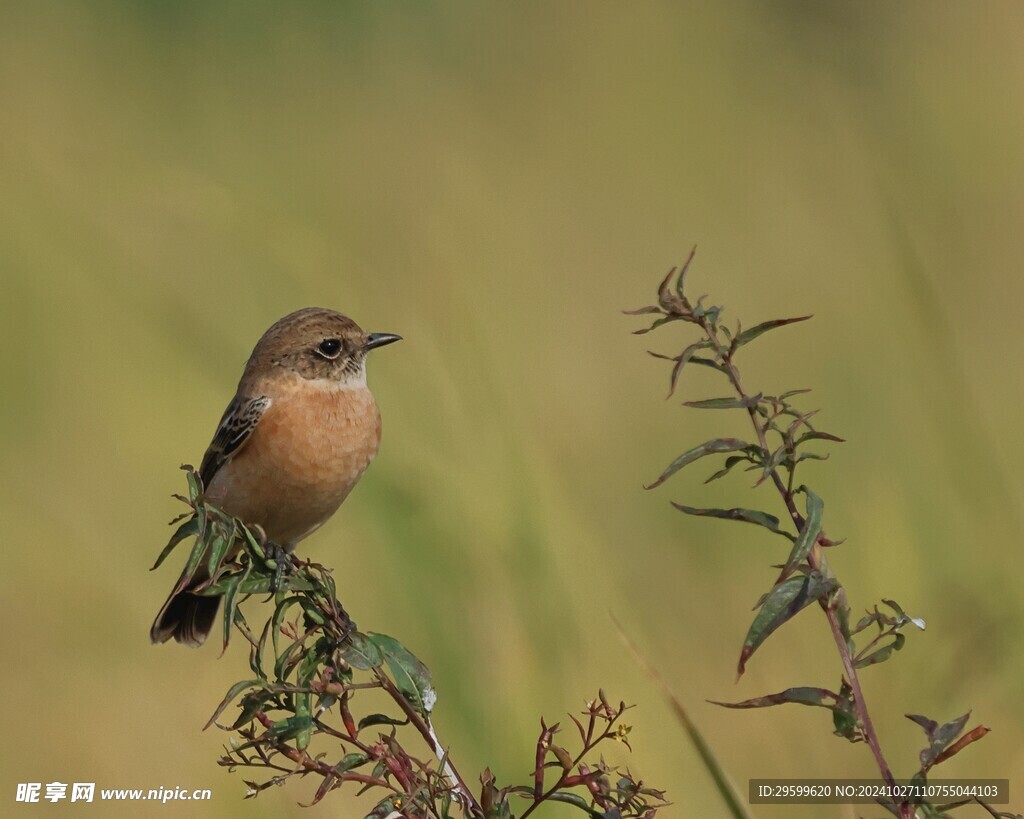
294, 441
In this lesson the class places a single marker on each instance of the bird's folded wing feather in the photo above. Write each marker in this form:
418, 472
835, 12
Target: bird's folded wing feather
240, 419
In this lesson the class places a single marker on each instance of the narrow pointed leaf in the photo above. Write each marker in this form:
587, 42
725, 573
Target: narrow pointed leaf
771, 464
810, 456
808, 534
941, 738
219, 545
784, 601
576, 801
724, 403
769, 522
929, 725
189, 528
707, 362
410, 675
195, 485
231, 601
233, 692
817, 435
880, 655
707, 448
350, 761
749, 335
253, 544
800, 696
682, 273
684, 357
730, 462
379, 719
657, 323
194, 559
255, 585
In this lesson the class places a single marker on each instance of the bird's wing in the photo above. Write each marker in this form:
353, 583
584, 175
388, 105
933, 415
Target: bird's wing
240, 419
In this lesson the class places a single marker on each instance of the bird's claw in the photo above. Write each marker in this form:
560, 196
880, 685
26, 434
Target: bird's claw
282, 563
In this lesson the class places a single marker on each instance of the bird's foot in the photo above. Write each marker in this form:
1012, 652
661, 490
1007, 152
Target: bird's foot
282, 561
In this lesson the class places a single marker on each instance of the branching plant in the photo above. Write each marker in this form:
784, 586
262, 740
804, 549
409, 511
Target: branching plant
782, 433
297, 715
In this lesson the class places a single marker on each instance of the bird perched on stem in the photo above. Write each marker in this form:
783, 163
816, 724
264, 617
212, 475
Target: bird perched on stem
294, 441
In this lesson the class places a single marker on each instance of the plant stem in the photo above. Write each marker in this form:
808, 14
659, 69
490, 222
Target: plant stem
813, 560
588, 745
465, 795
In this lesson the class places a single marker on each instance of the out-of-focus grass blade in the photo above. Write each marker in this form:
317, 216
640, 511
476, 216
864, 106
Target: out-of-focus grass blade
730, 795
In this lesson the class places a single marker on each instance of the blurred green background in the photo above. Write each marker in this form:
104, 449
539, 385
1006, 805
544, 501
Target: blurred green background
495, 182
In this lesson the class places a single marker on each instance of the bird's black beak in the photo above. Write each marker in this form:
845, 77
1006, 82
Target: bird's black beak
374, 340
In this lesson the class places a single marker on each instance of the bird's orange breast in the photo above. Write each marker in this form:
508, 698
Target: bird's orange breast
305, 455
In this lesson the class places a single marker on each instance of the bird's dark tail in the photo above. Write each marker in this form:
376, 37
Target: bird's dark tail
187, 617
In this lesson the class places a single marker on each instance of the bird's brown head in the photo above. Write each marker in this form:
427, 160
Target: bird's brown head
317, 343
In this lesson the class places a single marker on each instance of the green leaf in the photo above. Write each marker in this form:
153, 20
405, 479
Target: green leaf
769, 522
195, 557
682, 272
379, 719
361, 652
350, 761
810, 456
410, 675
784, 601
730, 462
815, 435
771, 464
189, 528
219, 545
844, 717
314, 614
707, 362
576, 801
288, 659
233, 692
290, 727
808, 534
280, 612
707, 448
880, 655
250, 704
725, 403
939, 737
255, 585
684, 357
195, 485
749, 335
800, 696
231, 601
253, 545
658, 323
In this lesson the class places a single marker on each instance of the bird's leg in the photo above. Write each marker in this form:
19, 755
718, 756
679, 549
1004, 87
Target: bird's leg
282, 563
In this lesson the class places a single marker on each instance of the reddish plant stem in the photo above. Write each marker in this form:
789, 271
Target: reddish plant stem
464, 794
322, 768
860, 704
589, 744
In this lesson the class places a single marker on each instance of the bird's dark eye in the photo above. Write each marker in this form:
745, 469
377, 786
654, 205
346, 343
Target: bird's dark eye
329, 348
